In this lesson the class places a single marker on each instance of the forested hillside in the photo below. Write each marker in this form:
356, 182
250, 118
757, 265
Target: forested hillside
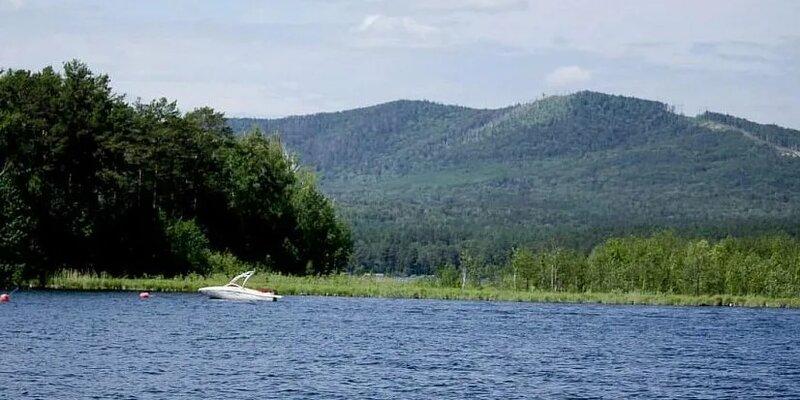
92, 183
419, 181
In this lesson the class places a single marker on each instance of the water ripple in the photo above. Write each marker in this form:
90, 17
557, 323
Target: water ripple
111, 345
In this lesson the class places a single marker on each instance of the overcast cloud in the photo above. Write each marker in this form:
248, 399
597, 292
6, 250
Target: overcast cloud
279, 58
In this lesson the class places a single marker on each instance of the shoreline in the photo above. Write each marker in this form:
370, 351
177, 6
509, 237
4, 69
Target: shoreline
384, 287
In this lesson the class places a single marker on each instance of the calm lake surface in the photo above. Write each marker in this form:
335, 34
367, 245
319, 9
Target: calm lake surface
112, 345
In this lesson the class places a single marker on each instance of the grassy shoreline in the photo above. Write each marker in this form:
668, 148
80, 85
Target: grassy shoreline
373, 286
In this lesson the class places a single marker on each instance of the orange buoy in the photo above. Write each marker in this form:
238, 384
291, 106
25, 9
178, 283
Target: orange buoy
144, 295
5, 298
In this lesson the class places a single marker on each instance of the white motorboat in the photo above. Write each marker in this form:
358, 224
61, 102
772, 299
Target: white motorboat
235, 291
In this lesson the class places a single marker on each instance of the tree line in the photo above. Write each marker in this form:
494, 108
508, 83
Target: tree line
767, 265
91, 182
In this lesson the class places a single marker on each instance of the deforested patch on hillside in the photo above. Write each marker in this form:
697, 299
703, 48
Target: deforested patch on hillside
787, 145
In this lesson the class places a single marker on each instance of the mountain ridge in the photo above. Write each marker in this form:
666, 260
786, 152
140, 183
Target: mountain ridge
518, 104
420, 179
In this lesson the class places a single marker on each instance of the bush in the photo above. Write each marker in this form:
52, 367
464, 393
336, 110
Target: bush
11, 275
188, 246
448, 276
226, 263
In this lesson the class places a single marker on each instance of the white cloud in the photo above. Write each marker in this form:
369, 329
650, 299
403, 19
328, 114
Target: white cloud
382, 24
13, 4
563, 77
487, 6
379, 30
368, 22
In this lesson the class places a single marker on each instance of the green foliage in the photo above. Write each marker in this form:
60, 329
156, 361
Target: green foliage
91, 182
523, 268
326, 243
17, 246
188, 245
473, 267
448, 276
260, 176
419, 180
665, 263
226, 264
417, 288
259, 190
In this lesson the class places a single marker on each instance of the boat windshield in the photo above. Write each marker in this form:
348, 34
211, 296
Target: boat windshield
244, 277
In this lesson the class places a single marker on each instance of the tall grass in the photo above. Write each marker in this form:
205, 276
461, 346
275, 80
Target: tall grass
421, 288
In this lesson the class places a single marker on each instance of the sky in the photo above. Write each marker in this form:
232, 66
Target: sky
277, 58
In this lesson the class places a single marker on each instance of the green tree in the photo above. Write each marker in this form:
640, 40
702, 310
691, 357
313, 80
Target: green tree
523, 268
325, 240
91, 182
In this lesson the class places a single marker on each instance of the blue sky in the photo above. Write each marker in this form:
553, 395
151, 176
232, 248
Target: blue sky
279, 58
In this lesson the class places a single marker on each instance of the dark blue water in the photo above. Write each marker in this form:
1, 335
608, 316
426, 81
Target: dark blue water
112, 345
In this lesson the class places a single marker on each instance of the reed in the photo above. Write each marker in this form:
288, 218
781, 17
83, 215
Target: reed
420, 288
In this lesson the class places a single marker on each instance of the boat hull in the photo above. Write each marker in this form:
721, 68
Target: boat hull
237, 294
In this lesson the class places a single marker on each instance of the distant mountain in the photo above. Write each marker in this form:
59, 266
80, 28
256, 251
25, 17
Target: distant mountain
419, 180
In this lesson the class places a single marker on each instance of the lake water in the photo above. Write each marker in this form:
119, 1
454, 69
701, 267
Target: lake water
112, 345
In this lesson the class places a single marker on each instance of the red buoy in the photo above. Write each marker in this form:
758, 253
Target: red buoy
144, 295
5, 298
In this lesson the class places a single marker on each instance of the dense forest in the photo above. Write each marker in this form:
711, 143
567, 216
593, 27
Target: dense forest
531, 192
93, 183
767, 265
420, 181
